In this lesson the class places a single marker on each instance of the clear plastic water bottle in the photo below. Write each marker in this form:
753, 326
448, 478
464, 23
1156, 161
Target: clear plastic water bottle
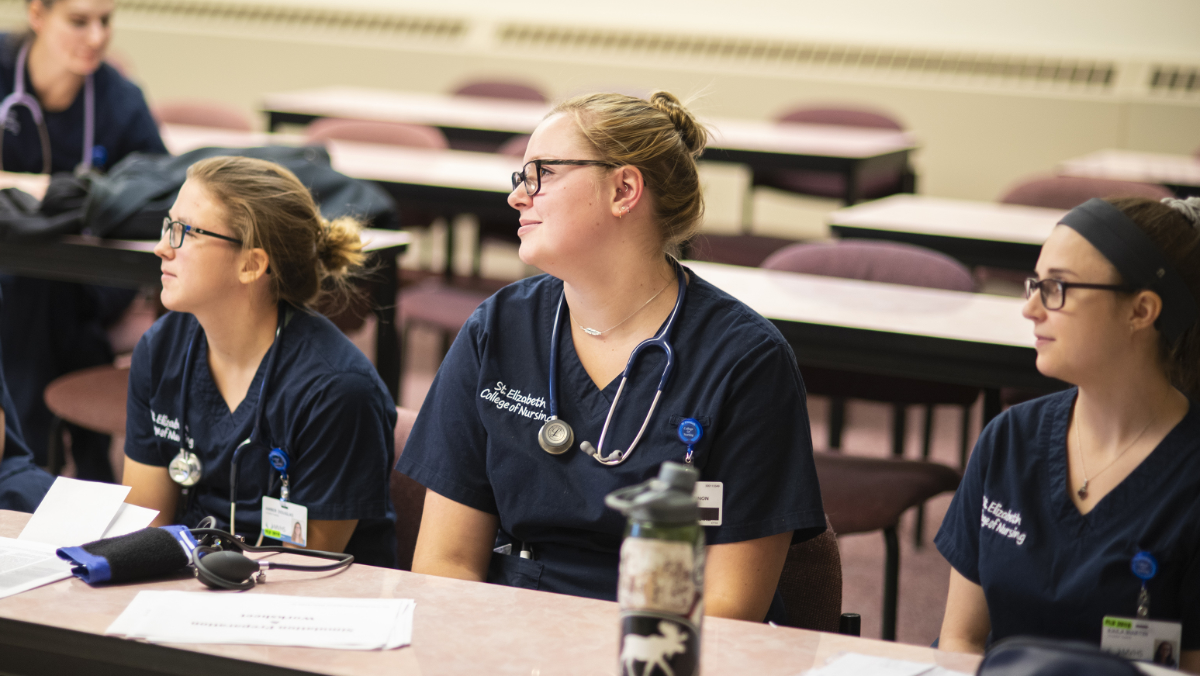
661, 586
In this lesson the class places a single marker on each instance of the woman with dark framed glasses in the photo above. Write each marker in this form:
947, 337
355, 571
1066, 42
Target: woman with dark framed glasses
63, 109
1080, 511
244, 403
542, 407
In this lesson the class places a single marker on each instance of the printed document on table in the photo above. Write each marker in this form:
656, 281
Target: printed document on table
74, 512
855, 664
267, 619
27, 565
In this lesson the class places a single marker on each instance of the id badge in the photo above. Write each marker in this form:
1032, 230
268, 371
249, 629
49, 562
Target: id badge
1141, 639
285, 521
710, 495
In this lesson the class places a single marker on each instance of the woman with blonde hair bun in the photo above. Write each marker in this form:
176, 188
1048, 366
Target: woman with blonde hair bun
244, 403
550, 397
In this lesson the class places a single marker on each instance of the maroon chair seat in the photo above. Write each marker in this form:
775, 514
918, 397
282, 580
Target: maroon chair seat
746, 250
1068, 192
861, 495
408, 496
202, 114
437, 304
830, 184
92, 398
811, 583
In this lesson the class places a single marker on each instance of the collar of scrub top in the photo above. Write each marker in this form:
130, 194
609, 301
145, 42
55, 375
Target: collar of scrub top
662, 340
1138, 259
20, 97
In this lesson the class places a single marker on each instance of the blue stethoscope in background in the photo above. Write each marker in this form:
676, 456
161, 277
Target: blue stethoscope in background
556, 436
186, 469
20, 97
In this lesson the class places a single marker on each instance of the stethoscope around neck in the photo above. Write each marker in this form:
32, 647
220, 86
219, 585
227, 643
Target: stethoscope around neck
21, 97
186, 469
556, 436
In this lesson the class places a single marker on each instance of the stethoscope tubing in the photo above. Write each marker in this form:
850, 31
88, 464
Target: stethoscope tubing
21, 97
661, 340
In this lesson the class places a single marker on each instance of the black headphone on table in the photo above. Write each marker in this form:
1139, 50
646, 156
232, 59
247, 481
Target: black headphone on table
220, 564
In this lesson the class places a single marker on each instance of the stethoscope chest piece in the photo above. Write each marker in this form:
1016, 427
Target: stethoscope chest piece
556, 436
185, 468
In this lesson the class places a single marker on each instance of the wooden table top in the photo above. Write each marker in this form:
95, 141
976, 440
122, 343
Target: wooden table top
465, 627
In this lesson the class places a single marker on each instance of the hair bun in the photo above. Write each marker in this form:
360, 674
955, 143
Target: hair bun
694, 136
1190, 208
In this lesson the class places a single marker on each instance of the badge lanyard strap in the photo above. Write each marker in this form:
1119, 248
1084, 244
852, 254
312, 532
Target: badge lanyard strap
21, 97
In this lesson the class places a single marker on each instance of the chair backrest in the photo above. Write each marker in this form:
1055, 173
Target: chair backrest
1068, 192
847, 116
745, 250
811, 583
408, 496
202, 114
374, 131
875, 261
496, 89
514, 147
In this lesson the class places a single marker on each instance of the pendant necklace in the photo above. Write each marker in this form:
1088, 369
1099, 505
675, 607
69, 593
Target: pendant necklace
1083, 490
594, 332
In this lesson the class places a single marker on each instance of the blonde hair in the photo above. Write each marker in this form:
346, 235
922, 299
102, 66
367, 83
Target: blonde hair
659, 137
311, 260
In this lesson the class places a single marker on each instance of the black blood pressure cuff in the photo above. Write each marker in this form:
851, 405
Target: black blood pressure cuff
149, 552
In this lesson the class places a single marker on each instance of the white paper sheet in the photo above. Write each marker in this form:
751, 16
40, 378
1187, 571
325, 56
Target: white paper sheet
129, 518
267, 619
855, 664
26, 565
74, 512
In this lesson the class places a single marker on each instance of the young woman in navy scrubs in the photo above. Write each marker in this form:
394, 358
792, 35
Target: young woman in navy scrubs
609, 184
1063, 492
56, 72
242, 356
22, 483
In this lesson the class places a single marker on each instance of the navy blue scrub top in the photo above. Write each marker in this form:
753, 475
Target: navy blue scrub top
22, 483
325, 405
475, 439
1048, 570
123, 122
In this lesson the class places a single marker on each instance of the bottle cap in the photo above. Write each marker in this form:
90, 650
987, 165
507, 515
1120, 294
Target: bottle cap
665, 499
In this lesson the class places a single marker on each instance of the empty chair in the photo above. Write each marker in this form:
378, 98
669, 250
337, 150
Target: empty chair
746, 250
374, 131
1068, 192
811, 583
408, 496
93, 398
501, 89
202, 114
831, 184
891, 263
862, 495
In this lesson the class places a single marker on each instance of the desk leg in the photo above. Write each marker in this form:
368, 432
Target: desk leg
852, 196
387, 314
449, 271
272, 121
991, 404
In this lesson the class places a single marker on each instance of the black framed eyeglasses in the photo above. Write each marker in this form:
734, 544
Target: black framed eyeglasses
177, 229
533, 180
1054, 291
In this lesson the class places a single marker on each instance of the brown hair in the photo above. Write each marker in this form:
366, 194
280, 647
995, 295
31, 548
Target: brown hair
1177, 237
311, 260
659, 137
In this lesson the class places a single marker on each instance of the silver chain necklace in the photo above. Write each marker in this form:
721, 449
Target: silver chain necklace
1083, 490
594, 332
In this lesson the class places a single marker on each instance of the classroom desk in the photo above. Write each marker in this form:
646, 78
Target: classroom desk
929, 334
131, 263
976, 233
1180, 173
459, 628
850, 151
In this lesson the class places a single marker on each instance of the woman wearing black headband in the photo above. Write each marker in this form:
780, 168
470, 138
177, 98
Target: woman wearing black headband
1085, 504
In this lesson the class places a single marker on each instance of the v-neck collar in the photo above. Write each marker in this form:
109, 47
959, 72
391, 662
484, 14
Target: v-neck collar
1135, 488
209, 396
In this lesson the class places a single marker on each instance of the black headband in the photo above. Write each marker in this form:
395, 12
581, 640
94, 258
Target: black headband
1140, 262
